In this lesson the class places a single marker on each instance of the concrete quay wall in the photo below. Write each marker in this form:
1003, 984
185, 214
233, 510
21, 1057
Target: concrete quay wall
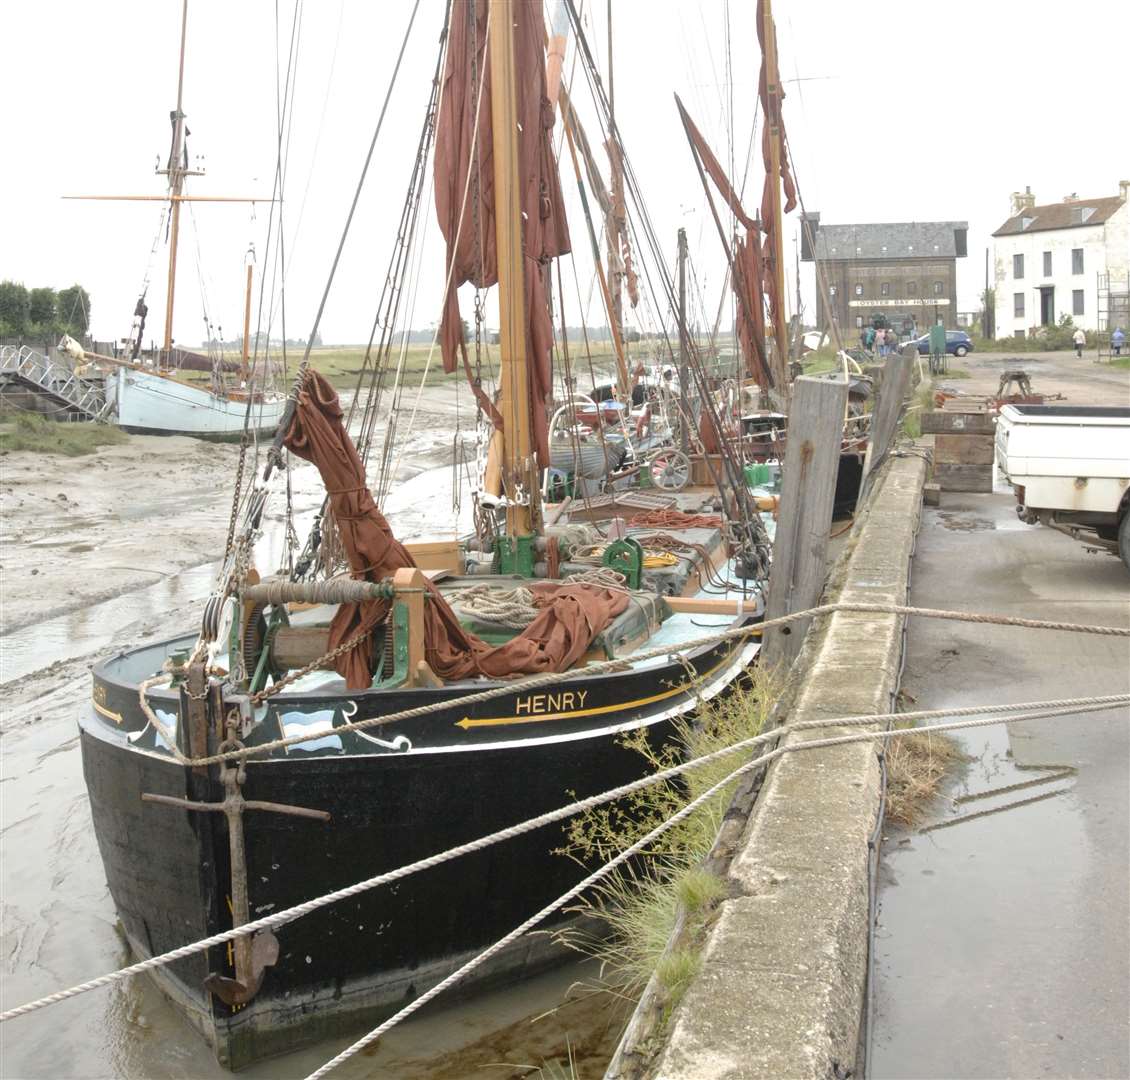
784, 967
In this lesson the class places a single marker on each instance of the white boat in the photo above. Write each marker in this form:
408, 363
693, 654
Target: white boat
155, 403
152, 395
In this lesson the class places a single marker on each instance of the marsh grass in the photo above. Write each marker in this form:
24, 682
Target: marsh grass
639, 904
916, 766
923, 401
34, 432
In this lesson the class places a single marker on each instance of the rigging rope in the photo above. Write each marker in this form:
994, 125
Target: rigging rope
738, 634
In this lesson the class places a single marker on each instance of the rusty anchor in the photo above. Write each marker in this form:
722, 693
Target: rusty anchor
253, 954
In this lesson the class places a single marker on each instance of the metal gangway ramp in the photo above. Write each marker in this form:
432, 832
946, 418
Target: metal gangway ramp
57, 382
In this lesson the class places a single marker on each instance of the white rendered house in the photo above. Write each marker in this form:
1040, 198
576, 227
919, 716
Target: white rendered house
1064, 258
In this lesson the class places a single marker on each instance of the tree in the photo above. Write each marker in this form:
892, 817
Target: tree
14, 306
41, 306
73, 307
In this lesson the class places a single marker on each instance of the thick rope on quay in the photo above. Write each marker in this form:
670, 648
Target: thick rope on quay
1044, 710
603, 666
622, 857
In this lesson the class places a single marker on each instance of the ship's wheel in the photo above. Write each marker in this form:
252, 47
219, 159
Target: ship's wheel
670, 469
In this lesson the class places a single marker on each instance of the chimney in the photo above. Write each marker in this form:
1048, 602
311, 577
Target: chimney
1124, 190
1022, 200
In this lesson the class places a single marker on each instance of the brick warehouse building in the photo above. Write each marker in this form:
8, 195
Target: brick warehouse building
905, 271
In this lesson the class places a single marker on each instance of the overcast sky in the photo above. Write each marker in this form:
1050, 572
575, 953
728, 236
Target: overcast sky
906, 111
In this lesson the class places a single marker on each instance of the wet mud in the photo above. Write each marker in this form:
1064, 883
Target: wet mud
107, 551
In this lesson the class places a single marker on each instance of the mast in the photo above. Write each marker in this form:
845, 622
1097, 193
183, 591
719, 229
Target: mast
176, 171
244, 370
684, 388
614, 220
514, 397
777, 255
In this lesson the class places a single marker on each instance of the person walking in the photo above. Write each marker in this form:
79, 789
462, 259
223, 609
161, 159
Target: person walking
1080, 339
1117, 340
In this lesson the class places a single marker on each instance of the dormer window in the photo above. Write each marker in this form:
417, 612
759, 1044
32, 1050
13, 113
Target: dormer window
1080, 215
1026, 221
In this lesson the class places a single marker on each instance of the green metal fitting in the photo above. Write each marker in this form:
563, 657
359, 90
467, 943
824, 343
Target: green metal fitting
516, 555
625, 557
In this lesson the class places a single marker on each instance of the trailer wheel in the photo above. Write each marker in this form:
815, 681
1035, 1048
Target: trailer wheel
1124, 538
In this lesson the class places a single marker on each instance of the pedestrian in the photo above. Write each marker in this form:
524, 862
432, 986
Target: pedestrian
1080, 339
891, 342
1117, 340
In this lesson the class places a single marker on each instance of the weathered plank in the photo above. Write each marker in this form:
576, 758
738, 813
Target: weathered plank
888, 406
953, 423
963, 477
964, 449
807, 490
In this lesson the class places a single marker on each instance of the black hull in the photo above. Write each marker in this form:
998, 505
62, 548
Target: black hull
471, 771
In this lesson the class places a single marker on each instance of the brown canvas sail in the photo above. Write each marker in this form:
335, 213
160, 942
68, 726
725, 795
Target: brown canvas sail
773, 129
572, 614
747, 277
464, 187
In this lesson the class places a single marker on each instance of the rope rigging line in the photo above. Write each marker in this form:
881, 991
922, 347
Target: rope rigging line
600, 667
985, 716
634, 849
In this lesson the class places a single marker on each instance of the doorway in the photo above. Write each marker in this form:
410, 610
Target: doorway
1047, 305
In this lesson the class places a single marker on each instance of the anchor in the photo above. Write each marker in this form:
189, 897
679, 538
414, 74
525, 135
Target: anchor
253, 953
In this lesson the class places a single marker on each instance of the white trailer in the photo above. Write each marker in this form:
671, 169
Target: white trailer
1070, 468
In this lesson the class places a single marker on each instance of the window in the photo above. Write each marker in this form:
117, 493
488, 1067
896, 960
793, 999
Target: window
831, 290
1047, 264
859, 290
1077, 260
1076, 301
912, 288
885, 288
1018, 305
1018, 266
939, 288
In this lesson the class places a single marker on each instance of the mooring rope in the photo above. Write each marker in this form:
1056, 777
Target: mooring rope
1039, 710
607, 666
622, 857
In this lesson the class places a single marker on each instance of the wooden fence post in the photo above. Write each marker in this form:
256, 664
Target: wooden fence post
885, 415
812, 458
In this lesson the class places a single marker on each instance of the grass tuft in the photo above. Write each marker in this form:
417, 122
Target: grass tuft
916, 765
639, 904
677, 968
34, 432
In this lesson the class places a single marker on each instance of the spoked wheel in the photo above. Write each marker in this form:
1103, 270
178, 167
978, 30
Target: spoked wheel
670, 469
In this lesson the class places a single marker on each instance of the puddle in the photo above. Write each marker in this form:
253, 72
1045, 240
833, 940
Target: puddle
964, 522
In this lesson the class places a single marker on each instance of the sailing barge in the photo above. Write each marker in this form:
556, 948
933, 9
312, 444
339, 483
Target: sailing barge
303, 800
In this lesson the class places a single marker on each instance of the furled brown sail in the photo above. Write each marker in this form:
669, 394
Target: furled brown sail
464, 187
772, 128
747, 276
571, 616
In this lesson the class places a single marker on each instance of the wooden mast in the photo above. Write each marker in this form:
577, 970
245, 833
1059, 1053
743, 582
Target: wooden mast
519, 473
176, 171
773, 119
613, 226
244, 369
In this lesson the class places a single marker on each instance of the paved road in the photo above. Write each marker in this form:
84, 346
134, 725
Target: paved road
1002, 947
